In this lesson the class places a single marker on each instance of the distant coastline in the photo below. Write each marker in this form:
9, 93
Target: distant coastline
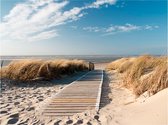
88, 58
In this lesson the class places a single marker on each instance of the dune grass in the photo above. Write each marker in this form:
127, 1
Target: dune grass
26, 70
143, 73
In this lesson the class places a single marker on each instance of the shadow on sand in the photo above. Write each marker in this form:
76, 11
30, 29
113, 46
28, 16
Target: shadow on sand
6, 83
105, 91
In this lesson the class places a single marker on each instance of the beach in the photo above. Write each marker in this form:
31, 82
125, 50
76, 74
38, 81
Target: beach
118, 106
21, 102
83, 62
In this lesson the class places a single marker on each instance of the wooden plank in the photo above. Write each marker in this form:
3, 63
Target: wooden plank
74, 105
63, 111
73, 100
83, 94
57, 115
77, 96
69, 107
64, 104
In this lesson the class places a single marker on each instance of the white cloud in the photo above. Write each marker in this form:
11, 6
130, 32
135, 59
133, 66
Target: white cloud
125, 28
35, 19
148, 27
113, 29
43, 35
99, 3
30, 21
91, 29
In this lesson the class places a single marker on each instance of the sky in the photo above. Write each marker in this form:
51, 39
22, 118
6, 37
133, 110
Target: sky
83, 27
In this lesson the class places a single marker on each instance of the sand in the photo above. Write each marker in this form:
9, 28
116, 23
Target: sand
152, 111
20, 105
126, 109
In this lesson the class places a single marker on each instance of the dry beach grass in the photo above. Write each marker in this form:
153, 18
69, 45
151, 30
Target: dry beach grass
27, 70
143, 73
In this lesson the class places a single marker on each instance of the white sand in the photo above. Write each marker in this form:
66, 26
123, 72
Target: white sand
153, 111
18, 104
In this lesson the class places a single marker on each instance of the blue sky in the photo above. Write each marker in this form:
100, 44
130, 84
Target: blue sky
85, 27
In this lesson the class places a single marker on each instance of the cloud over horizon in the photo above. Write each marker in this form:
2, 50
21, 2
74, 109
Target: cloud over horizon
36, 20
113, 29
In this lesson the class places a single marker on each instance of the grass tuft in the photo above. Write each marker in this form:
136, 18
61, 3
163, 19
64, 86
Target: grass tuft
26, 70
143, 73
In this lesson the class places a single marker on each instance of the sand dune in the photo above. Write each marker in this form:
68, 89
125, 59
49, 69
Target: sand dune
152, 111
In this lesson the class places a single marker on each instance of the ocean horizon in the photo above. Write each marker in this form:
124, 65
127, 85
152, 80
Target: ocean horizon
89, 58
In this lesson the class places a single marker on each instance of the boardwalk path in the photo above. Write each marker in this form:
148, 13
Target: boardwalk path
80, 95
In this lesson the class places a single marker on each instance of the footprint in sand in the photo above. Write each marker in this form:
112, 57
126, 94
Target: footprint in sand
23, 122
10, 100
17, 97
23, 99
9, 108
4, 106
80, 121
3, 112
30, 108
69, 121
96, 117
1, 103
88, 123
57, 122
21, 109
40, 97
14, 115
48, 91
9, 97
12, 121
36, 122
34, 95
40, 100
13, 118
16, 103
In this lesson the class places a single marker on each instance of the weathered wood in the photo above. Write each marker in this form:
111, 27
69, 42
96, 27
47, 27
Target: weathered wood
81, 95
58, 115
68, 108
72, 103
91, 66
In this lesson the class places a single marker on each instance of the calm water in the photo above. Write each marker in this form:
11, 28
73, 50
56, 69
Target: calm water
91, 58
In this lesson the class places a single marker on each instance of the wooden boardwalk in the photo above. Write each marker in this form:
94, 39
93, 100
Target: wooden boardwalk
82, 94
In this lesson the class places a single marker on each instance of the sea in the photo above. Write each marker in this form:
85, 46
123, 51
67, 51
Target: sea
5, 60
